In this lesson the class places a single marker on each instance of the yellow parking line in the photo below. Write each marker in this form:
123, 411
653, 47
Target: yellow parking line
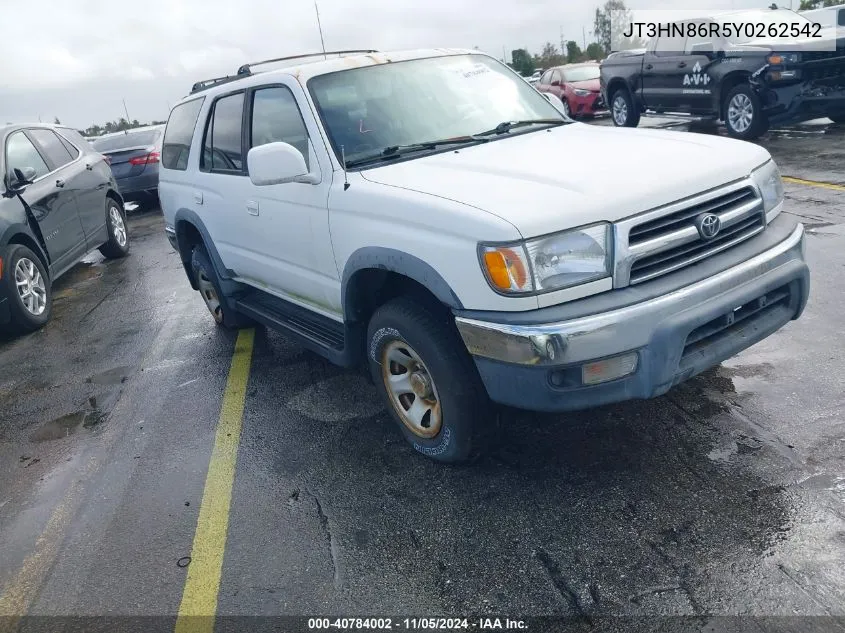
813, 183
199, 597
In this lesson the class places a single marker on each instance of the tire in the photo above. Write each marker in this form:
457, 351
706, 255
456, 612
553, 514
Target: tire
210, 291
743, 111
566, 110
29, 306
838, 117
427, 347
117, 245
622, 109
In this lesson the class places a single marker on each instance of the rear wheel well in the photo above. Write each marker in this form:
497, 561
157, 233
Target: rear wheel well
370, 288
188, 237
31, 244
728, 84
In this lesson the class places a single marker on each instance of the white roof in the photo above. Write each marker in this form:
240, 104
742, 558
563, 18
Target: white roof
303, 70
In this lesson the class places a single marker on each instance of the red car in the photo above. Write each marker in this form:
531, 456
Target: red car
577, 85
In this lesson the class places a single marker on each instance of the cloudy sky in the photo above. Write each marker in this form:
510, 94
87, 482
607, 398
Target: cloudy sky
78, 59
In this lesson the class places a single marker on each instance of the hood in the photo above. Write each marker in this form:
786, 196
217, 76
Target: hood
576, 174
593, 85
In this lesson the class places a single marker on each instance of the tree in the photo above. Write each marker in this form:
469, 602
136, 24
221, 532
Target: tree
595, 51
611, 19
56, 120
522, 62
806, 5
573, 52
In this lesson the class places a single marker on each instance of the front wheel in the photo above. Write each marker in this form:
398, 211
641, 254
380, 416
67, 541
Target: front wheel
28, 288
566, 109
744, 117
622, 109
429, 381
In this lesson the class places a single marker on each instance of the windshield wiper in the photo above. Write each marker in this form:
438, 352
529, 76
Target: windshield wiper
506, 126
395, 151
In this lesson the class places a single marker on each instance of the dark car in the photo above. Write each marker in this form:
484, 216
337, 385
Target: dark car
134, 156
747, 83
59, 201
577, 85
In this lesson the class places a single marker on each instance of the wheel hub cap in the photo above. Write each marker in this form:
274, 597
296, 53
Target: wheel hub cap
411, 389
118, 228
620, 110
31, 287
740, 112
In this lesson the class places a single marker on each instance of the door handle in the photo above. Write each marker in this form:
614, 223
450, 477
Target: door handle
649, 66
682, 65
60, 183
252, 207
198, 197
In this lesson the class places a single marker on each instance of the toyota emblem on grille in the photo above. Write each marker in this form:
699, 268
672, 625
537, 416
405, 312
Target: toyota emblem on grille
708, 225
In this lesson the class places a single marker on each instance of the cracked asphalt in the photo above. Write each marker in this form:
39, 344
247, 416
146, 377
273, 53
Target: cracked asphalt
724, 497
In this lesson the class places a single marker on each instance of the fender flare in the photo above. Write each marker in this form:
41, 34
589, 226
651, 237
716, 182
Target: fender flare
396, 261
188, 216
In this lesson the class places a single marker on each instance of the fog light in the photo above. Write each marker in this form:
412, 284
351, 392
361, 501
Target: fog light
609, 369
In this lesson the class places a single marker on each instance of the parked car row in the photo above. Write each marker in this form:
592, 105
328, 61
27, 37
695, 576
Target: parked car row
749, 83
134, 156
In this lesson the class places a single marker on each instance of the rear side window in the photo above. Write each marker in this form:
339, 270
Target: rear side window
222, 148
52, 146
21, 153
179, 133
276, 117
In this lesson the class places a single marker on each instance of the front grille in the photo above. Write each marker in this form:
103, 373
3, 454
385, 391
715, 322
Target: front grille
761, 313
670, 242
824, 64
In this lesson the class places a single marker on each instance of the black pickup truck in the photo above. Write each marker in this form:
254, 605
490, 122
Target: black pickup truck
747, 82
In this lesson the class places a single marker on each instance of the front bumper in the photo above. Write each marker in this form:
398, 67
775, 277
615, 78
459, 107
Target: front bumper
674, 336
590, 104
804, 101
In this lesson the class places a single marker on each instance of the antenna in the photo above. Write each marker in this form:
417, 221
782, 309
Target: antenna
343, 164
320, 27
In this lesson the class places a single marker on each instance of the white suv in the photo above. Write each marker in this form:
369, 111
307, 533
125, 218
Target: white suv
431, 214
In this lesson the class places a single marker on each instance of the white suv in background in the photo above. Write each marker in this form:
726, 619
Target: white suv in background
414, 211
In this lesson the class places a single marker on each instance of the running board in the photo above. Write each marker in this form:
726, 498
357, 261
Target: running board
313, 331
684, 116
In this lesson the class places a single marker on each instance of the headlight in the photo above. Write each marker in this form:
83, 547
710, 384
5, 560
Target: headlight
784, 58
580, 92
552, 262
768, 180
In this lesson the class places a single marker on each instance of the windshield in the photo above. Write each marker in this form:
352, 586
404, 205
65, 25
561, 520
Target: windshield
757, 18
582, 73
404, 103
125, 141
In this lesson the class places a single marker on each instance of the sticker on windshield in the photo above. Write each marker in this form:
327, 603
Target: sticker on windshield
471, 70
696, 78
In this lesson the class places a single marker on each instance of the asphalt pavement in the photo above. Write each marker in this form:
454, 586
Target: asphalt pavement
726, 497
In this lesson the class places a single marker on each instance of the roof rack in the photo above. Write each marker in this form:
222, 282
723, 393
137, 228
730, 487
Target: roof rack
246, 69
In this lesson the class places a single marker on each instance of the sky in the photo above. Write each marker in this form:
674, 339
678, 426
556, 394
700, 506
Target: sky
78, 60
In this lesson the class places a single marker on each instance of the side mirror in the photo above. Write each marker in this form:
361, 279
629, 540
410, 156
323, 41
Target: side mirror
18, 181
556, 82
275, 164
555, 101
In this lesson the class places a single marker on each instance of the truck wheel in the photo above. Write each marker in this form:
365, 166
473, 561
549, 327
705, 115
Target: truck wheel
27, 287
622, 109
744, 118
118, 243
423, 371
209, 288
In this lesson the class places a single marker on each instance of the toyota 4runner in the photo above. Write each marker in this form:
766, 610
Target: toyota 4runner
413, 211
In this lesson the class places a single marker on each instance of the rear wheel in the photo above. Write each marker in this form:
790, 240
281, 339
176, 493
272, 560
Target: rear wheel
118, 243
744, 117
622, 109
208, 283
27, 287
429, 381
